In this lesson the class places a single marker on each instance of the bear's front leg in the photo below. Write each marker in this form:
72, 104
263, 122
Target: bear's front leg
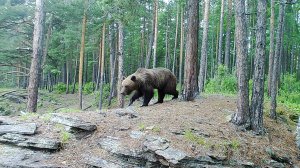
148, 95
136, 95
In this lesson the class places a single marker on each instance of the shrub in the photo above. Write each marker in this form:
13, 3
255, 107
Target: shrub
88, 88
60, 88
224, 82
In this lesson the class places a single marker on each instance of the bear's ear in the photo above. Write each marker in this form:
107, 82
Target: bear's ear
133, 78
123, 78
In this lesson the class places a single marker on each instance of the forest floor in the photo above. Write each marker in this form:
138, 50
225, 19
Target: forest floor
199, 127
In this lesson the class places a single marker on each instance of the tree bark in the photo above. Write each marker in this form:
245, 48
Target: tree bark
112, 62
190, 79
81, 58
167, 56
181, 50
151, 40
271, 54
121, 62
102, 66
36, 55
175, 45
276, 65
68, 76
258, 78
155, 33
75, 75
242, 116
221, 34
228, 32
203, 62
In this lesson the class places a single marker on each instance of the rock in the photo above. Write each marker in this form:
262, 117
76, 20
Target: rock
126, 112
298, 134
122, 128
32, 142
4, 120
172, 155
247, 164
110, 144
275, 156
129, 156
24, 129
154, 143
14, 157
217, 157
73, 122
275, 164
137, 134
99, 162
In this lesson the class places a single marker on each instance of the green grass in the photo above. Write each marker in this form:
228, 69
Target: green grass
190, 136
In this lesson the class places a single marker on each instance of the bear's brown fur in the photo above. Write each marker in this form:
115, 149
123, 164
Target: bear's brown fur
144, 81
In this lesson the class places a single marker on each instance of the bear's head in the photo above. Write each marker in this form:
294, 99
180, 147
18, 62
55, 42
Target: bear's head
129, 84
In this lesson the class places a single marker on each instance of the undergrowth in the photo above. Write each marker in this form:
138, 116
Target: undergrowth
288, 94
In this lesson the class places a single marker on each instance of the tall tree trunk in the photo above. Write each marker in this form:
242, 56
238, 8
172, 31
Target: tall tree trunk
86, 67
271, 53
155, 32
151, 40
112, 61
94, 70
36, 55
181, 50
102, 67
298, 66
242, 115
121, 68
75, 75
167, 56
221, 34
203, 62
228, 32
143, 43
175, 45
81, 58
190, 79
99, 65
276, 66
68, 76
258, 78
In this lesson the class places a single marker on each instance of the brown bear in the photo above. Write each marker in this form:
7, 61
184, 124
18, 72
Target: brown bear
144, 81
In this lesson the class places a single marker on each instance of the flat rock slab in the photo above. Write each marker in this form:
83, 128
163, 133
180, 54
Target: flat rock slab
154, 143
94, 161
24, 129
172, 155
73, 122
31, 142
15, 157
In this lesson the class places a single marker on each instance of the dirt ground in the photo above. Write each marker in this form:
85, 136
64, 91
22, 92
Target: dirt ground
200, 127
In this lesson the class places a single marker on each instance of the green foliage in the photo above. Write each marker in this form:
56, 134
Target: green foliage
141, 126
289, 92
224, 82
65, 136
234, 144
60, 88
88, 88
4, 112
190, 136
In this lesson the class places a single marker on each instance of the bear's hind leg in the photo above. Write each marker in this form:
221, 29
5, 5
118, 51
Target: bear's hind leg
147, 97
161, 96
175, 95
